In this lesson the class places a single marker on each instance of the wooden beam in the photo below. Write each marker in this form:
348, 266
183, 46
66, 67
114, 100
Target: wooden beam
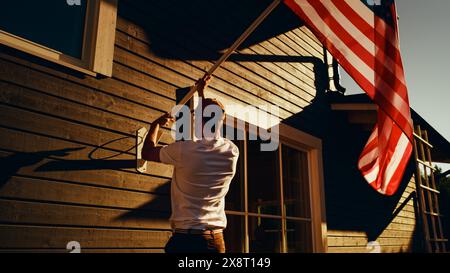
104, 37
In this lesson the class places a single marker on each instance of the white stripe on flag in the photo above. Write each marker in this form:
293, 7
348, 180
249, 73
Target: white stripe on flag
368, 73
369, 158
371, 176
396, 158
362, 39
355, 60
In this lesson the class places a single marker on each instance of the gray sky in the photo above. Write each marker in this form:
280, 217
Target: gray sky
424, 40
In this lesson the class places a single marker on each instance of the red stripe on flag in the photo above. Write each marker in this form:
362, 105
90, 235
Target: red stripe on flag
354, 45
387, 152
373, 92
372, 61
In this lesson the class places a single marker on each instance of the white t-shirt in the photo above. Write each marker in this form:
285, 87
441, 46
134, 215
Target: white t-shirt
201, 179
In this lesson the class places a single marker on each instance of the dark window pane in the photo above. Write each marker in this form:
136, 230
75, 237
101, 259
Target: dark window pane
263, 180
234, 234
235, 196
298, 236
295, 182
51, 23
234, 199
265, 235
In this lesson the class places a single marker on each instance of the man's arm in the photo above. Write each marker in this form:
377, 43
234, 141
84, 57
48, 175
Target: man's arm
202, 84
150, 152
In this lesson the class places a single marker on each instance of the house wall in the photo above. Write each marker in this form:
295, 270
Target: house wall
358, 218
67, 141
399, 235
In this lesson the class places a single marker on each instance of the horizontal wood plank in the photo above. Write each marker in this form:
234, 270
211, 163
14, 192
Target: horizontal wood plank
18, 236
31, 189
99, 176
40, 213
96, 119
77, 156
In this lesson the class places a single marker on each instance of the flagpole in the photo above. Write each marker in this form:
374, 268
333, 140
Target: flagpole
230, 50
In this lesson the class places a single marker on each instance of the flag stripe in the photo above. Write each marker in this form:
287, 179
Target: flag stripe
385, 50
346, 37
372, 174
362, 18
351, 35
399, 172
369, 17
363, 74
394, 161
366, 24
368, 49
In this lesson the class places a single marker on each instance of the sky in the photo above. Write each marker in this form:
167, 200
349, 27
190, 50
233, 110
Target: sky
424, 28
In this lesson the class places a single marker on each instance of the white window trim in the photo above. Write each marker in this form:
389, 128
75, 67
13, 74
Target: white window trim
98, 42
313, 147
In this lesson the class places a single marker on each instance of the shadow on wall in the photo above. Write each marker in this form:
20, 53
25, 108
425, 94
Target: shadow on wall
204, 28
11, 164
157, 208
201, 30
197, 29
102, 157
352, 205
194, 30
99, 158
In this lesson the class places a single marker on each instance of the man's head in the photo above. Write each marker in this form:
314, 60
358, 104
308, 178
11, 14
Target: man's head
213, 115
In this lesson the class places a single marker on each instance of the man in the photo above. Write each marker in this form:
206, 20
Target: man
203, 170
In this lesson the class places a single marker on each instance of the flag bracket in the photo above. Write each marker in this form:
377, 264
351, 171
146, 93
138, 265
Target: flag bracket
141, 164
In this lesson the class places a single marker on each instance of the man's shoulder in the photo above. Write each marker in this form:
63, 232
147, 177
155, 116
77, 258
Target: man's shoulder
182, 143
177, 146
233, 147
229, 142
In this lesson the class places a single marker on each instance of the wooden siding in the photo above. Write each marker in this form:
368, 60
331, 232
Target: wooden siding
400, 235
67, 141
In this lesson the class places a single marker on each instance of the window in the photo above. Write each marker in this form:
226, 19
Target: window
269, 206
75, 33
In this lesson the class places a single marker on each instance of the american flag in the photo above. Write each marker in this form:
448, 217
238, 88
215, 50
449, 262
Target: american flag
363, 36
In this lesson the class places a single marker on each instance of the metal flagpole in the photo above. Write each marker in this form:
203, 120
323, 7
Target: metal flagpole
230, 50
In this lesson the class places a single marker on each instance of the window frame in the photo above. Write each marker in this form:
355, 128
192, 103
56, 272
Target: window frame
312, 146
97, 45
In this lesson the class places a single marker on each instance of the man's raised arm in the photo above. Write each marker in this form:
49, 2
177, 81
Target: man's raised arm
150, 152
